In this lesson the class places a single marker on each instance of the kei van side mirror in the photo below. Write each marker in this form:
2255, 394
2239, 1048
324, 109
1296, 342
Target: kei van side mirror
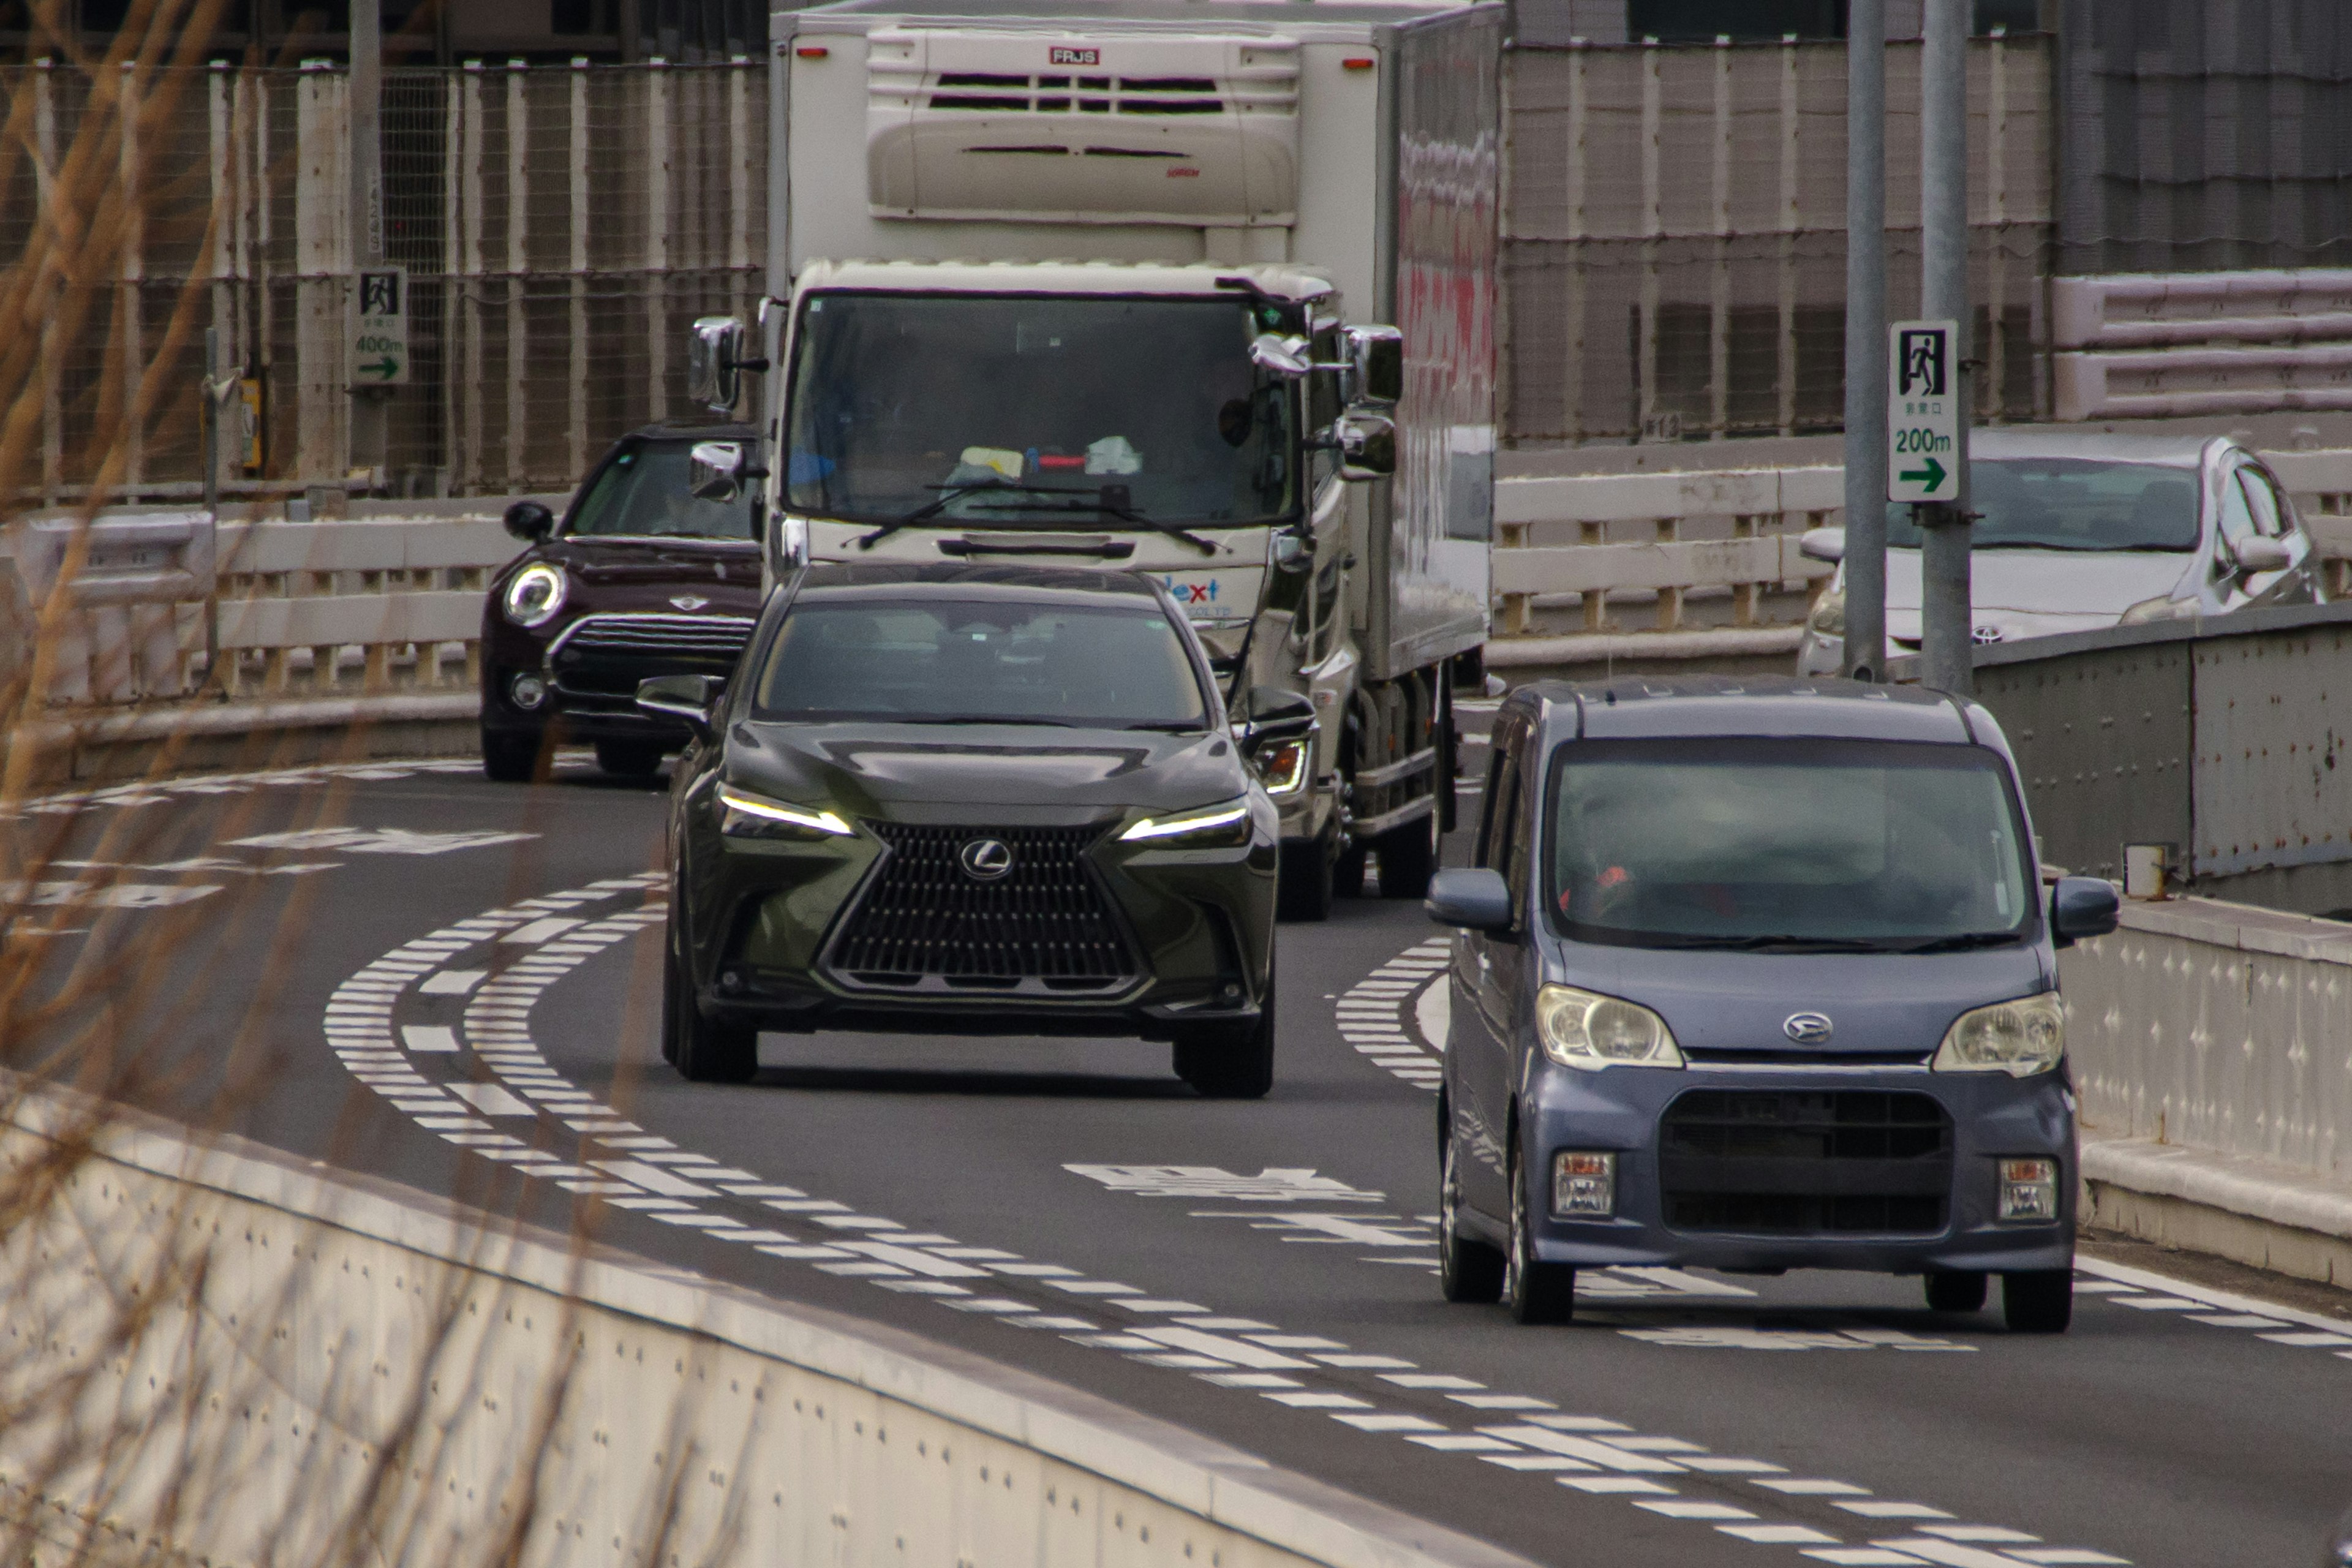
529, 521
2082, 907
692, 697
2260, 554
715, 470
1472, 897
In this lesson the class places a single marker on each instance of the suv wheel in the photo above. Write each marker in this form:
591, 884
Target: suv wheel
1467, 1270
511, 756
1231, 1066
2041, 1301
703, 1050
1536, 1291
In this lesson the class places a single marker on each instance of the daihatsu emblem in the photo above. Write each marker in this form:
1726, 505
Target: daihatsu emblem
1808, 1028
690, 602
985, 860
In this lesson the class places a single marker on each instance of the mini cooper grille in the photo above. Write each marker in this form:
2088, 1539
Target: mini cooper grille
924, 916
1837, 1161
660, 637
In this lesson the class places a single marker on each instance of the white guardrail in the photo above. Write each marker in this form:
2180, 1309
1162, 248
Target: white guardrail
328, 1367
2165, 345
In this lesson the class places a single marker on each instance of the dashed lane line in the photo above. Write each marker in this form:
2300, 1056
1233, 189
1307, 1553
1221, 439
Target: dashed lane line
574, 1139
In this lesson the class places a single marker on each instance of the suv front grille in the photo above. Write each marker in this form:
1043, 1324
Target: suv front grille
923, 918
1841, 1161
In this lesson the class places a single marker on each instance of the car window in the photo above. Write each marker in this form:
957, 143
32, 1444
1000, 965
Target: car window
2070, 504
949, 661
2264, 501
1502, 798
644, 493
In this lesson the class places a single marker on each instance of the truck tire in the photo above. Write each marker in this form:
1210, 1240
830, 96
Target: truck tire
1231, 1064
512, 756
629, 758
1303, 891
1536, 1291
1408, 858
1348, 873
2040, 1302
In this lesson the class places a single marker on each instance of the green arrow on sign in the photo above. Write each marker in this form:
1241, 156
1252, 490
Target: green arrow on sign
1932, 475
388, 367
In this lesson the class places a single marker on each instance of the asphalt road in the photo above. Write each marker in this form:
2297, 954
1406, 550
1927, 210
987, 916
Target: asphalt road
423, 977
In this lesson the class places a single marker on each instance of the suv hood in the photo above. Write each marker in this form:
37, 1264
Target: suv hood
1016, 773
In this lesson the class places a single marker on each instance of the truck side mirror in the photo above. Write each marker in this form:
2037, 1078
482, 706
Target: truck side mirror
2082, 907
529, 521
715, 470
1280, 355
1376, 355
713, 362
1367, 444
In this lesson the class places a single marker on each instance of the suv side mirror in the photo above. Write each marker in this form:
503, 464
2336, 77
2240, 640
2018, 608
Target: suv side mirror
715, 470
528, 521
2082, 907
1376, 356
1367, 444
714, 363
1471, 895
693, 697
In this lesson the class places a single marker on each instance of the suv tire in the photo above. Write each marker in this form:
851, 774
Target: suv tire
1231, 1066
702, 1049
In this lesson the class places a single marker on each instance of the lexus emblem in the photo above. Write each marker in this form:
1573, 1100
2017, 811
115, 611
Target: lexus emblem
1807, 1028
985, 860
690, 602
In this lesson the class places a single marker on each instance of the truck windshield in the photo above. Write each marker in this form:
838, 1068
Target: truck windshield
965, 662
2070, 504
1049, 408
643, 493
1783, 845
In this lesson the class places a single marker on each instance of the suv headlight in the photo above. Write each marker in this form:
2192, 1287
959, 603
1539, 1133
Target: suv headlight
1214, 826
1585, 1029
1285, 766
742, 815
2020, 1037
1828, 619
537, 593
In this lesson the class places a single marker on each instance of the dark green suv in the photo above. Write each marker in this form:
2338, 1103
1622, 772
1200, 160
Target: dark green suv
974, 800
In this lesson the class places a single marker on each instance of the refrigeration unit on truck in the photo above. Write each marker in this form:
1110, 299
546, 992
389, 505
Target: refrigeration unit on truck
1071, 282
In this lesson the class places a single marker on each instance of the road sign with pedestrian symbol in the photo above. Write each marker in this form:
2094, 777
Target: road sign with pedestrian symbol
1923, 412
380, 329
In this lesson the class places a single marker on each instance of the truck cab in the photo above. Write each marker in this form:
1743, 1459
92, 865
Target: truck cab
1265, 380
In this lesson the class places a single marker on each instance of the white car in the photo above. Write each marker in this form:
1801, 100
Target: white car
2074, 532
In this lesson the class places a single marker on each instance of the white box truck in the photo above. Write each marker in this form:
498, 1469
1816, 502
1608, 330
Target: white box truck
1069, 282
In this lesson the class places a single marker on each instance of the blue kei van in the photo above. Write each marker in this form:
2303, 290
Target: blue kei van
1758, 975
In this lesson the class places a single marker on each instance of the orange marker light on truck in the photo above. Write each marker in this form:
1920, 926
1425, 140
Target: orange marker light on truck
812, 52
1357, 63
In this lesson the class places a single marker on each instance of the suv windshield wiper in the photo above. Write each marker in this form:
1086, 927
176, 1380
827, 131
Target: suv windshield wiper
950, 494
1109, 507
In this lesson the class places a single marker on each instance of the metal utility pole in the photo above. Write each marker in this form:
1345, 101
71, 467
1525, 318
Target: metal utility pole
1945, 601
370, 407
1865, 341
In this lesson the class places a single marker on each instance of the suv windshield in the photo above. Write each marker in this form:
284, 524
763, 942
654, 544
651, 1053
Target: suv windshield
1773, 844
642, 493
1052, 408
2071, 503
977, 662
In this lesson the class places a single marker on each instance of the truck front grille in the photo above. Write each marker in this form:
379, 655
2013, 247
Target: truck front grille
1845, 1162
923, 917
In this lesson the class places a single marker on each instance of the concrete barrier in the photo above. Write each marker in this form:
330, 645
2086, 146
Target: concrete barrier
215, 1350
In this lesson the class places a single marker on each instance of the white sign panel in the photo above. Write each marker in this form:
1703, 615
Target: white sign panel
380, 329
1923, 411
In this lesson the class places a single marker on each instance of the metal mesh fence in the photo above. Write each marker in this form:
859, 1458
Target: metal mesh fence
1674, 246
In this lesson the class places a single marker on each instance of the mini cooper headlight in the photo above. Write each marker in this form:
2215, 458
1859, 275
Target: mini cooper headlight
536, 593
1215, 826
1283, 767
1586, 1029
742, 815
2020, 1037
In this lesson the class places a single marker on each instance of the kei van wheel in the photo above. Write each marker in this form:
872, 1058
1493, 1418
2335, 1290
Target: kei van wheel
1231, 1066
1954, 1291
512, 756
2041, 1301
702, 1049
1467, 1270
1536, 1291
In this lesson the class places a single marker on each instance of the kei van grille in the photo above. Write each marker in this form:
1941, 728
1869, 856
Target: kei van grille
922, 917
1806, 1163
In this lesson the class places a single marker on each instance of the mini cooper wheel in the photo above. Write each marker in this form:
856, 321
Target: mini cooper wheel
1467, 1270
1536, 1291
511, 756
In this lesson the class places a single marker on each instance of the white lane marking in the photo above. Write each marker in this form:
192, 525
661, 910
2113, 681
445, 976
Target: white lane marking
649, 1177
491, 1100
2234, 1311
540, 930
1275, 1184
452, 981
380, 840
1390, 1018
428, 1037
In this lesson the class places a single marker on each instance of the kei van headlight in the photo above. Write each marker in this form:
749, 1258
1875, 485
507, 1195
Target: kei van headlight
1215, 827
537, 593
742, 815
1828, 619
2020, 1037
1585, 1029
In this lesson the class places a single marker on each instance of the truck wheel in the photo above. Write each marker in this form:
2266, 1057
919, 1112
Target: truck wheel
1235, 1066
629, 758
511, 756
703, 1050
1348, 873
2041, 1301
1467, 1270
1954, 1291
1408, 858
1303, 891
1536, 1291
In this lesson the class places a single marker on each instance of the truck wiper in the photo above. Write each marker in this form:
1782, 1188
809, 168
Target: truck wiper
950, 494
1111, 505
